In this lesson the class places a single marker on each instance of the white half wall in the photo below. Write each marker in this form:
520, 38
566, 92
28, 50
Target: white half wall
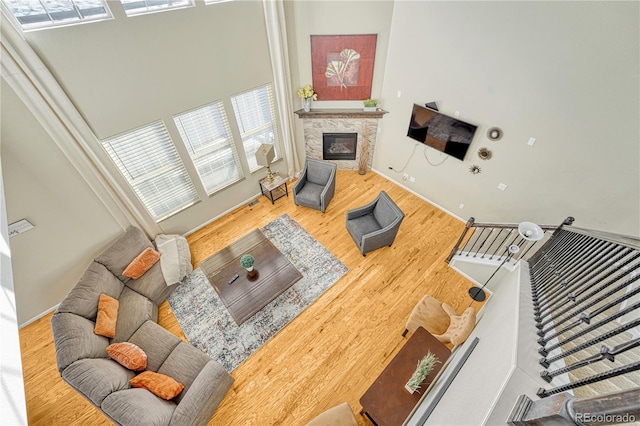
12, 399
501, 367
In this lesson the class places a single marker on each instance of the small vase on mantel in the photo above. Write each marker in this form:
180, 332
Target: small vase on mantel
306, 104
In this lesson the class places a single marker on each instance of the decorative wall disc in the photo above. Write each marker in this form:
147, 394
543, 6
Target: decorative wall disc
494, 133
485, 153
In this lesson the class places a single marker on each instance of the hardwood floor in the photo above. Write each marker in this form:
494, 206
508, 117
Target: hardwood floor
334, 349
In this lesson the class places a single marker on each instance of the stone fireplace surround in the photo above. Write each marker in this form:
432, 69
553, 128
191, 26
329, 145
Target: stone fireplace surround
319, 121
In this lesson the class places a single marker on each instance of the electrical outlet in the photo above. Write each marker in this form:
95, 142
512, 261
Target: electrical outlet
457, 114
399, 93
531, 141
412, 179
502, 186
461, 206
405, 176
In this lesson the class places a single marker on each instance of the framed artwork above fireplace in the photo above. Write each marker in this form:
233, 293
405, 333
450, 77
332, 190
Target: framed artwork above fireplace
342, 66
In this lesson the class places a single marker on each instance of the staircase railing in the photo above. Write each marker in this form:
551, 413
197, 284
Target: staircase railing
490, 241
586, 300
585, 288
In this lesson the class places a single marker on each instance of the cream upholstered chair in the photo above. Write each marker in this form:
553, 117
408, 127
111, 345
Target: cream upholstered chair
340, 415
441, 320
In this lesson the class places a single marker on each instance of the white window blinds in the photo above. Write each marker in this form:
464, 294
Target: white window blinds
206, 134
137, 7
255, 115
34, 14
148, 160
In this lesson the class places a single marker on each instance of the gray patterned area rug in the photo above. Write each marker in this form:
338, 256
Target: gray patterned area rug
209, 326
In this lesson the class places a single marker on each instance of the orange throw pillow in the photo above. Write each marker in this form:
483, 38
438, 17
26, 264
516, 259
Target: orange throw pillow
107, 316
142, 263
128, 355
159, 384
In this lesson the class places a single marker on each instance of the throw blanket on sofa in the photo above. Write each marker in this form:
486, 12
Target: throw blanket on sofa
175, 257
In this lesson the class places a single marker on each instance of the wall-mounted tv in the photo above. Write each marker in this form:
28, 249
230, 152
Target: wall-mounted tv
441, 132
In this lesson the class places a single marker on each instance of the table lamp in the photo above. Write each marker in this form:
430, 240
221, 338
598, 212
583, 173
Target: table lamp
264, 156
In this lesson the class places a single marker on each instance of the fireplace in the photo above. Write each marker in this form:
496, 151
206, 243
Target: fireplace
339, 146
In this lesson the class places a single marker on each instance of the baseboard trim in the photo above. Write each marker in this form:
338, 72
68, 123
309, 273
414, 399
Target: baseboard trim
229, 210
436, 205
37, 317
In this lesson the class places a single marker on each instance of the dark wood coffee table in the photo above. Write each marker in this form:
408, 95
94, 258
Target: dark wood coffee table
245, 296
387, 402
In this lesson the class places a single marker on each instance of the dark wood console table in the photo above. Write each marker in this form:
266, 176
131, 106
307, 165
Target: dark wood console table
387, 402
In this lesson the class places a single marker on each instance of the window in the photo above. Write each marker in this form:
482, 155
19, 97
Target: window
137, 7
215, 1
255, 112
148, 160
34, 14
206, 134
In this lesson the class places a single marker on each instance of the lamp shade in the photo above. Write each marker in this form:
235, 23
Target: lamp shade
530, 231
265, 154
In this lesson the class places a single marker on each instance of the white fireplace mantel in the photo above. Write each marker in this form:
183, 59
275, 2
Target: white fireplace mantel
365, 123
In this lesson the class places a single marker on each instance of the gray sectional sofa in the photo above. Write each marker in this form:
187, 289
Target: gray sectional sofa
82, 357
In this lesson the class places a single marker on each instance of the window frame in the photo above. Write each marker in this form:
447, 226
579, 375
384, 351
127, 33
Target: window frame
165, 171
53, 24
273, 124
147, 11
195, 155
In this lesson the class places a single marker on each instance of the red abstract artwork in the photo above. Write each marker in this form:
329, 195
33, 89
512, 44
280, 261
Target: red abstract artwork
342, 66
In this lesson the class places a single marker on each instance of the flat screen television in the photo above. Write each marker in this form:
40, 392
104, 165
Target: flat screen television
441, 132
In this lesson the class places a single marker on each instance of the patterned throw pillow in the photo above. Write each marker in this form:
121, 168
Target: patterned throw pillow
128, 355
159, 384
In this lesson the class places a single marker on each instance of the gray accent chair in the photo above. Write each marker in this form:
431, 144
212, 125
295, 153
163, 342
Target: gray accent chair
82, 357
376, 224
316, 185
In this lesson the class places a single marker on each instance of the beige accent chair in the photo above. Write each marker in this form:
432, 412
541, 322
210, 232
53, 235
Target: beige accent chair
441, 320
340, 415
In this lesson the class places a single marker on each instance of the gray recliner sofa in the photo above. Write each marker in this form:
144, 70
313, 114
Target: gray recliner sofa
82, 357
316, 185
376, 224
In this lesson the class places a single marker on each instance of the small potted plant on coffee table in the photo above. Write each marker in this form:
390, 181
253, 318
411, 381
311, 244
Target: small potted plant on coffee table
247, 261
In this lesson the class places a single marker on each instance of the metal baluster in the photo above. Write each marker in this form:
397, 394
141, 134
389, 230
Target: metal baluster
585, 317
545, 362
545, 351
605, 353
573, 296
542, 393
559, 299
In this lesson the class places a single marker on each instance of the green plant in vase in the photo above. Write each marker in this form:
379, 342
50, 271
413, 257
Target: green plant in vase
247, 261
425, 366
370, 104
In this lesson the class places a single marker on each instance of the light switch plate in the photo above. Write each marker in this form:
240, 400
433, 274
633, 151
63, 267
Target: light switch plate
531, 141
19, 227
502, 186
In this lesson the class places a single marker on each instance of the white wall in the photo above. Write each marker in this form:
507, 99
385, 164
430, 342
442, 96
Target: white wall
71, 224
127, 72
12, 400
565, 73
329, 17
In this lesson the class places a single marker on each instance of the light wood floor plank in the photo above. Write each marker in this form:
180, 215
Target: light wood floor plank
334, 349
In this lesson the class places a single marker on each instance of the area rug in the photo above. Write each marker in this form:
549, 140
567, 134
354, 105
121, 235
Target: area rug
208, 325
